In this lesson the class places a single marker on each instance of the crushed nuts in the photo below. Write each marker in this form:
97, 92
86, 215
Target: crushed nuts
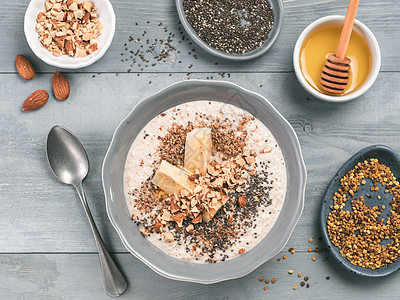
69, 27
168, 237
242, 201
267, 149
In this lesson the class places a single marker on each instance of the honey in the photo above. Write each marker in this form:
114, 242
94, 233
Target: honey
323, 41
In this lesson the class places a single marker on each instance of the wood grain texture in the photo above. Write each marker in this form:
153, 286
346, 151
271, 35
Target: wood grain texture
381, 17
77, 276
47, 250
40, 214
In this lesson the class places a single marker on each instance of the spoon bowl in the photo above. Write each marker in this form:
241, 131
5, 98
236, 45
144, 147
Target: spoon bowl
67, 157
70, 164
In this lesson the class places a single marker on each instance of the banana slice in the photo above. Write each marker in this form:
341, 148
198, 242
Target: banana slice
198, 149
170, 178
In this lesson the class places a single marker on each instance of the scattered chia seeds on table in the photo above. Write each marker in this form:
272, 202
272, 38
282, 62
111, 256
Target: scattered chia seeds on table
236, 26
143, 52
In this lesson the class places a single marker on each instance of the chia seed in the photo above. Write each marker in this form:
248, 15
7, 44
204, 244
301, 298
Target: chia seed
236, 26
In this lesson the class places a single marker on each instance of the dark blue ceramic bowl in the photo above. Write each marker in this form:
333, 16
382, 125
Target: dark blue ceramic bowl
391, 159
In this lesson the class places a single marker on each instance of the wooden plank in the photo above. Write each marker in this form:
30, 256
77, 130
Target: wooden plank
39, 214
381, 17
77, 276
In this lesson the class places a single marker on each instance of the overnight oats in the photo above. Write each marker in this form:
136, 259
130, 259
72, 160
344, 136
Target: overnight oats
205, 181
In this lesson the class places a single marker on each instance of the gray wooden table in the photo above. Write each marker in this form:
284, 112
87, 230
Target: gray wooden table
46, 247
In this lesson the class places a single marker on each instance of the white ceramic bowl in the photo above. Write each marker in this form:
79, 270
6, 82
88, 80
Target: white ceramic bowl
106, 17
113, 170
372, 44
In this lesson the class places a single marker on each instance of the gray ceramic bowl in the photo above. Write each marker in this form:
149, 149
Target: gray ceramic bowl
277, 6
113, 169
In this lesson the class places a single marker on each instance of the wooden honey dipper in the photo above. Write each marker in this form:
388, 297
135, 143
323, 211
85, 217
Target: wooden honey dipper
336, 72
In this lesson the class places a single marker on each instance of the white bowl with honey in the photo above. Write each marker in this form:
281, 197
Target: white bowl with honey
320, 39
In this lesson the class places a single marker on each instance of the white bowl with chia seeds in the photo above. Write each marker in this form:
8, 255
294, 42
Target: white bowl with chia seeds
113, 181
278, 16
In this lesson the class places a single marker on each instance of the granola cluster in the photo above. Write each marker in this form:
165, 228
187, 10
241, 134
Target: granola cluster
69, 27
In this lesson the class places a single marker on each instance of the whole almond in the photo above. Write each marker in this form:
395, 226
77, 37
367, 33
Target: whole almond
61, 88
36, 100
24, 67
242, 201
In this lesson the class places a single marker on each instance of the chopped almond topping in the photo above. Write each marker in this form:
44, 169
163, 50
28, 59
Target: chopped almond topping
250, 159
267, 149
198, 219
193, 177
158, 227
76, 21
179, 217
168, 237
173, 207
190, 228
242, 201
145, 231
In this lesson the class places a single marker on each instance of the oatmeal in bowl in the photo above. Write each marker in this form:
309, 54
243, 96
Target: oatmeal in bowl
204, 181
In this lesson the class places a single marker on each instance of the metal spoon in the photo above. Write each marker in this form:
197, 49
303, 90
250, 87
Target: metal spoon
69, 163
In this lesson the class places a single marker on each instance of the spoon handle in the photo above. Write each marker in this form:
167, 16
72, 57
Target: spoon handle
114, 281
